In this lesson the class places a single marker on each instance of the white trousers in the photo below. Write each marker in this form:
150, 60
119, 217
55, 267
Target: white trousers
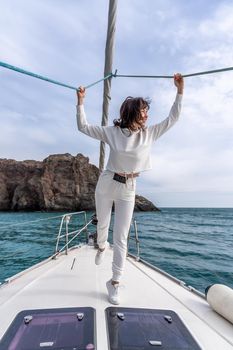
109, 191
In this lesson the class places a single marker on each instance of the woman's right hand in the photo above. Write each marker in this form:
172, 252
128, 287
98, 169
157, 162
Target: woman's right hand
81, 94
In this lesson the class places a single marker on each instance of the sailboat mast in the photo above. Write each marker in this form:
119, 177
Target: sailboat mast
109, 50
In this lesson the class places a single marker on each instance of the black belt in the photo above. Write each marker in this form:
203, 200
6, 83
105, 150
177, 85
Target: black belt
120, 178
124, 178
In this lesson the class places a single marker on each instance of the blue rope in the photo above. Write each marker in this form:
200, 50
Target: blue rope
98, 81
171, 76
110, 75
8, 66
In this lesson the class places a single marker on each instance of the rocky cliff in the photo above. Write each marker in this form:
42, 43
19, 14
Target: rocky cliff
59, 182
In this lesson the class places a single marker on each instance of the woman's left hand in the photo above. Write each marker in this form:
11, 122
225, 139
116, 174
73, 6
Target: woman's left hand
179, 82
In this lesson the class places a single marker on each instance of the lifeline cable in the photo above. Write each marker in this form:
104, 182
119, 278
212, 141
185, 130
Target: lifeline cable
23, 71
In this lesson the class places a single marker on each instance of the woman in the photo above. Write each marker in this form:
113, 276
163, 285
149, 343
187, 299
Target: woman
130, 142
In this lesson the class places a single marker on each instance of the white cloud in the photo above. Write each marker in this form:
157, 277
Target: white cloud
220, 25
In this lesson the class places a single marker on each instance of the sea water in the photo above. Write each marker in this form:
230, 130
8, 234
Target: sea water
193, 244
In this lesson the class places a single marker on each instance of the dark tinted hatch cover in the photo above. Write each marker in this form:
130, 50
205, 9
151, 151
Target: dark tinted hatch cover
147, 329
52, 329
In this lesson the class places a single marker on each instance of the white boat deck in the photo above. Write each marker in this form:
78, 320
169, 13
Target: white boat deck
55, 285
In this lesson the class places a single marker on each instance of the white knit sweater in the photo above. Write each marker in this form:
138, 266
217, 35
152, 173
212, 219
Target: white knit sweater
129, 151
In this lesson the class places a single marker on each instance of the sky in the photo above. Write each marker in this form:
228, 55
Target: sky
65, 41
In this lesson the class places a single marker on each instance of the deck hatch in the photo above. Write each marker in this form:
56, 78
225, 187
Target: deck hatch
147, 329
52, 329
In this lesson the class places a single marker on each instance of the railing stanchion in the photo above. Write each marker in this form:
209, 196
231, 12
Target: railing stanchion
136, 239
59, 234
67, 218
85, 219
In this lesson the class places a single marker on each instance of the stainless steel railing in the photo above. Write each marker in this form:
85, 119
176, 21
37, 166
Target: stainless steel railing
135, 238
70, 235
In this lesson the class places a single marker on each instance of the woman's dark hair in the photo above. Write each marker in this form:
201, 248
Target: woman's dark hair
130, 112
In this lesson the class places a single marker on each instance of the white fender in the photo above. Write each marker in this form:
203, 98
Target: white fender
220, 298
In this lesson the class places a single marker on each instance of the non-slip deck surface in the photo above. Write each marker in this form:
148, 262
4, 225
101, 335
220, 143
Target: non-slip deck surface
56, 284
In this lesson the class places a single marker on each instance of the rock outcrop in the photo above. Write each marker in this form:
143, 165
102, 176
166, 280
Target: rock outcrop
59, 182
